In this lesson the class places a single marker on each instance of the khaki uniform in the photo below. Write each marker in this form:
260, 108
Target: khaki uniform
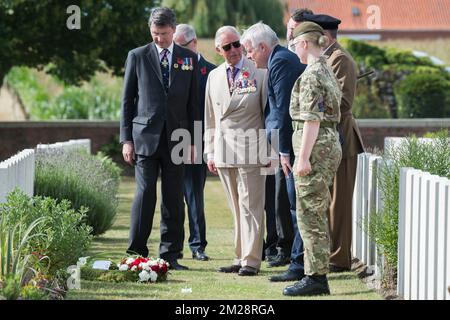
316, 96
340, 213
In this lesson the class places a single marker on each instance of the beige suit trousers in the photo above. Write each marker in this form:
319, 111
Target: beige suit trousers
245, 189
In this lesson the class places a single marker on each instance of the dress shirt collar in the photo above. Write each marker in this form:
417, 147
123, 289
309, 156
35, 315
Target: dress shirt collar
170, 48
239, 65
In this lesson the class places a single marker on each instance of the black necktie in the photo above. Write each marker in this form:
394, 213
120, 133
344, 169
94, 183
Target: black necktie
165, 69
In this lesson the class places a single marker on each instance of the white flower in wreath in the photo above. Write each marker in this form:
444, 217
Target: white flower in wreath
153, 276
153, 263
123, 267
146, 266
144, 276
134, 268
129, 261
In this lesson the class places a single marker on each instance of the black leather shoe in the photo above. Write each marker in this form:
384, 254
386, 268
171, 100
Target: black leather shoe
336, 269
231, 269
248, 271
309, 286
200, 255
280, 260
174, 265
287, 276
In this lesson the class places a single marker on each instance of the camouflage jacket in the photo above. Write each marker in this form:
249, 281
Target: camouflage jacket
316, 95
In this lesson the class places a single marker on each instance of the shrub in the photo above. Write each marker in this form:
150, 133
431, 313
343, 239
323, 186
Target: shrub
97, 99
422, 95
83, 179
432, 157
15, 235
66, 236
367, 104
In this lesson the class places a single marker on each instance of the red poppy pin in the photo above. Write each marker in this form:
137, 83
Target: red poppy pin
245, 74
180, 61
203, 71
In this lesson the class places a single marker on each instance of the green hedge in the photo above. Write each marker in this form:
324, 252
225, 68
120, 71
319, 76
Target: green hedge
83, 179
423, 95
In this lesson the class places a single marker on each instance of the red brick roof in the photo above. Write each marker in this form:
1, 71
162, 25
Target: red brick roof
398, 15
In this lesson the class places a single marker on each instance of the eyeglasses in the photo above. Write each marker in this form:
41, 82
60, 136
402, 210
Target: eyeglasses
292, 43
187, 43
227, 47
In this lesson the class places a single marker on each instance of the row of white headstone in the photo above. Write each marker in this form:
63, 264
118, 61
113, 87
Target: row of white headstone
423, 228
423, 236
18, 171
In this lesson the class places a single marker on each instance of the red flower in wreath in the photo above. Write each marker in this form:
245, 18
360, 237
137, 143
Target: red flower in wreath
203, 71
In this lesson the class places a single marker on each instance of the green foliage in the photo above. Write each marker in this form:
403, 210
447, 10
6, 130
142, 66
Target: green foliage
15, 236
424, 95
115, 276
367, 103
208, 15
85, 180
34, 34
95, 100
405, 85
30, 292
429, 156
66, 237
10, 288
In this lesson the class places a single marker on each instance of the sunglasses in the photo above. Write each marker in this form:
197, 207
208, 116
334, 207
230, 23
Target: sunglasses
227, 47
187, 43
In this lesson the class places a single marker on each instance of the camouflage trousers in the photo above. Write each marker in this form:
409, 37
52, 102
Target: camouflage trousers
314, 198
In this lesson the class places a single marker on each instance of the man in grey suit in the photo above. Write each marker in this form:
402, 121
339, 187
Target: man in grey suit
159, 97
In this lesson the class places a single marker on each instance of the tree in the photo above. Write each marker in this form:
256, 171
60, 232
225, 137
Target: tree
208, 15
35, 34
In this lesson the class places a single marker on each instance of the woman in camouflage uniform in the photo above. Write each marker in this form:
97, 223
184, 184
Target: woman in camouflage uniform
315, 113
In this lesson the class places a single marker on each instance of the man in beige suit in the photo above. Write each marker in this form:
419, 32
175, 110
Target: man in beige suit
235, 144
340, 213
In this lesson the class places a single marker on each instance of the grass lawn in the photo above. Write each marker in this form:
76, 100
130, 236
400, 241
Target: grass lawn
205, 281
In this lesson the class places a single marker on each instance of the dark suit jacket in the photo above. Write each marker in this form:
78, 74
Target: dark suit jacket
147, 109
284, 69
204, 68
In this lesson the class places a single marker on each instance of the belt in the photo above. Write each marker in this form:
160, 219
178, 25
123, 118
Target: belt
347, 114
297, 125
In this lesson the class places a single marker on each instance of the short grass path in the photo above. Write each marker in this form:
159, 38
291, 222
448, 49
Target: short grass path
202, 278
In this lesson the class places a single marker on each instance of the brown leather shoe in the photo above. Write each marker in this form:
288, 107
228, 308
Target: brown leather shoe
231, 269
248, 271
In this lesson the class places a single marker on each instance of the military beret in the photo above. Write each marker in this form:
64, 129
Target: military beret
306, 27
323, 20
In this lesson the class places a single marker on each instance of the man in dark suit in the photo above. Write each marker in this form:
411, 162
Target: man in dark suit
195, 174
159, 97
284, 68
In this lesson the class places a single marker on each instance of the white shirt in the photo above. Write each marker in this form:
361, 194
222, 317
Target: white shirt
169, 54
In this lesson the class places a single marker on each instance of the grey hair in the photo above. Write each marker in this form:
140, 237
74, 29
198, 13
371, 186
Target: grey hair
187, 31
260, 33
223, 30
162, 17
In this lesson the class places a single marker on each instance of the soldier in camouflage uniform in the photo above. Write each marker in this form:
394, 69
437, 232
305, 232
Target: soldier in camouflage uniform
315, 112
